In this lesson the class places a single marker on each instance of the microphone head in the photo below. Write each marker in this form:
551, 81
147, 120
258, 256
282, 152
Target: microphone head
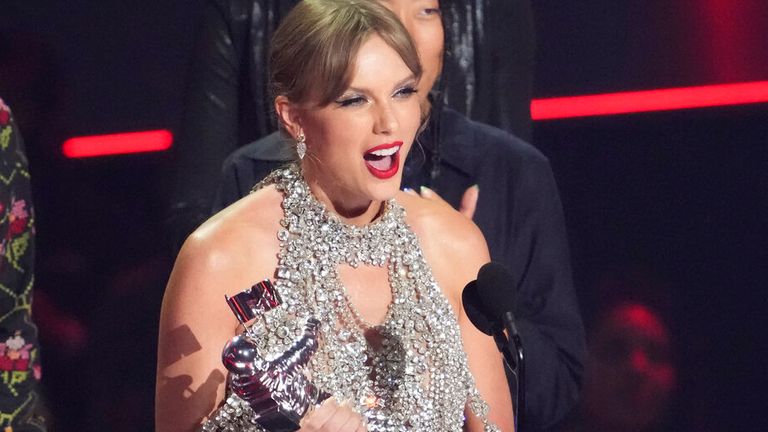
475, 309
495, 289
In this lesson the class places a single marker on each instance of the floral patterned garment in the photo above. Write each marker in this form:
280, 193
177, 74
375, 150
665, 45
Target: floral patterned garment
19, 358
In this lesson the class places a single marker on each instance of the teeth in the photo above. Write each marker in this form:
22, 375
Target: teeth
386, 152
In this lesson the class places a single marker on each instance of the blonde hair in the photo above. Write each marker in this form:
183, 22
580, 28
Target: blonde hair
314, 49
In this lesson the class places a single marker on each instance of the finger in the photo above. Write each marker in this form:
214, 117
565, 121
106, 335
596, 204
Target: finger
431, 195
363, 427
340, 417
468, 203
428, 193
319, 416
410, 191
353, 424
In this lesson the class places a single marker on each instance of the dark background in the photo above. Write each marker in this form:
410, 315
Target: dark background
681, 195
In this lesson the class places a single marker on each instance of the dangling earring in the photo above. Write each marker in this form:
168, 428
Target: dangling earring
301, 145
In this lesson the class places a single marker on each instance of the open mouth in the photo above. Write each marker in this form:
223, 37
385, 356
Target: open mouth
383, 161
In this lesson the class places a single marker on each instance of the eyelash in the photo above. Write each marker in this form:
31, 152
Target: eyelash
357, 100
406, 91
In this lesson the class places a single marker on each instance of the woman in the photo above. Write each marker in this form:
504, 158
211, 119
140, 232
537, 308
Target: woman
520, 212
490, 46
382, 269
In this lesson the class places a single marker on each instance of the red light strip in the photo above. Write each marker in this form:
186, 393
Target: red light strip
650, 100
541, 109
117, 144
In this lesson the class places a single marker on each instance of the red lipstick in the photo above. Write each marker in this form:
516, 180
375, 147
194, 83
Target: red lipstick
383, 161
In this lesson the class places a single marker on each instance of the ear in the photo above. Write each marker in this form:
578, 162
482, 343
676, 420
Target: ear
289, 115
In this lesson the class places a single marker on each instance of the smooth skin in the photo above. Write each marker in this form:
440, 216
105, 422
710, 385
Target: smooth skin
221, 258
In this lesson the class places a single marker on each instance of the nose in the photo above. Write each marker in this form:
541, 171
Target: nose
386, 121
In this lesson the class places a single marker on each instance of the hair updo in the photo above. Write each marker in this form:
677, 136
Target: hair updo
314, 48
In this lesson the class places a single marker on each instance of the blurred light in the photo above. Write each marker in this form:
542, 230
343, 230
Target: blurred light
541, 109
649, 100
117, 144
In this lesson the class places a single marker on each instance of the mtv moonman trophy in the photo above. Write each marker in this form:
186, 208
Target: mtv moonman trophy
277, 390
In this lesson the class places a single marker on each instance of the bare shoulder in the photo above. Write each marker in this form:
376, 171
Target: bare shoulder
452, 244
238, 243
436, 223
257, 214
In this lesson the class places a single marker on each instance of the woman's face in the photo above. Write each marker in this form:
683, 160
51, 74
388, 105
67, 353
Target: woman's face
356, 145
422, 20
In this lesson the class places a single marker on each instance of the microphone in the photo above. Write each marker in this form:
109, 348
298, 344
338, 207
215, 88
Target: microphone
489, 302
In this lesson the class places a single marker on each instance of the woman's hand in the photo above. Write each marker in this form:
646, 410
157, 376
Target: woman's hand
332, 416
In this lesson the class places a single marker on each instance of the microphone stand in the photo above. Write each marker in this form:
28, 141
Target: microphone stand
511, 347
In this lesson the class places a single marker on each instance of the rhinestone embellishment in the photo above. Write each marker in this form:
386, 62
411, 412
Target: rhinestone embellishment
412, 374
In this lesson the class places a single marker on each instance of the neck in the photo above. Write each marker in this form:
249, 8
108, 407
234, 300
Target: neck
350, 210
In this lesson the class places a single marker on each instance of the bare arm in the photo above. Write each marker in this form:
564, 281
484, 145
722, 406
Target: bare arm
194, 325
485, 361
195, 321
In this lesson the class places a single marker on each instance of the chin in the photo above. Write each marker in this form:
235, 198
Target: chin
385, 191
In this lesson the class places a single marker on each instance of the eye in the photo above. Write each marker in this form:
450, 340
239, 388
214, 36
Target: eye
350, 101
405, 91
428, 8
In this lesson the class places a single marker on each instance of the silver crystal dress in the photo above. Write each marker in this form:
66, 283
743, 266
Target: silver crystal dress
412, 374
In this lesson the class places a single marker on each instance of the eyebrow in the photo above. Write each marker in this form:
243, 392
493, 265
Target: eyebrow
399, 84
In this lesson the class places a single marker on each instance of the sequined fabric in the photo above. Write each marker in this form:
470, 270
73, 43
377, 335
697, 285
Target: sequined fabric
411, 372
